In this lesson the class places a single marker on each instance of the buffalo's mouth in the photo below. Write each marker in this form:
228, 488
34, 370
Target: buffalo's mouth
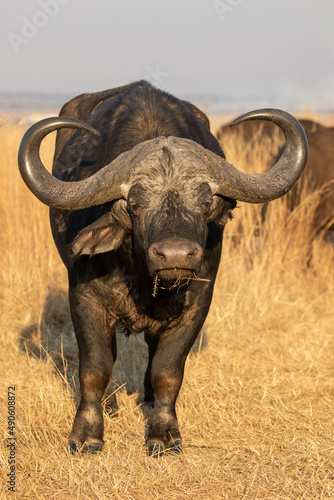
169, 279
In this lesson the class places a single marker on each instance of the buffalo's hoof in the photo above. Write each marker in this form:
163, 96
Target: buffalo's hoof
91, 448
175, 447
155, 448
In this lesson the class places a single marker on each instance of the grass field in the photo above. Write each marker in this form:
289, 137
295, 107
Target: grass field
257, 403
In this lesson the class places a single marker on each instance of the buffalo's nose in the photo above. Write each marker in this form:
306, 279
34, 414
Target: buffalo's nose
175, 254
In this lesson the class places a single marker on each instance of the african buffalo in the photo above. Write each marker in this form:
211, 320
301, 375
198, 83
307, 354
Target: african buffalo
259, 131
311, 126
320, 164
139, 197
320, 176
255, 134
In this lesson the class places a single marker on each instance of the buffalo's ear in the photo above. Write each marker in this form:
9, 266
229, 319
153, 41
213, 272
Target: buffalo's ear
223, 212
103, 235
223, 219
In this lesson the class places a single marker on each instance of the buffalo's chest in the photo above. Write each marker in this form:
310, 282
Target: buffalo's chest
126, 303
152, 316
144, 317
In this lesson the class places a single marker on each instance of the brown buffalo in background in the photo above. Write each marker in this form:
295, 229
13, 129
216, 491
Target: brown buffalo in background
250, 138
262, 131
320, 174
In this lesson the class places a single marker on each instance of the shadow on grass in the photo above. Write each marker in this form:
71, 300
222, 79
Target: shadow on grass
53, 338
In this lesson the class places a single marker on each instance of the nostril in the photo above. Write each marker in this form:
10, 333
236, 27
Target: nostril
192, 252
158, 252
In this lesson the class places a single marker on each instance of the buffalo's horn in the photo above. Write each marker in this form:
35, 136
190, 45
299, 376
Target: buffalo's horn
260, 188
106, 184
68, 195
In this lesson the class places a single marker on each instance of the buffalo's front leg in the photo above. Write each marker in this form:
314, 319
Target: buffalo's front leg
94, 336
152, 344
166, 376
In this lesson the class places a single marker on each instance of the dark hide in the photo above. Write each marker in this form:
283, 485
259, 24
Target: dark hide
146, 262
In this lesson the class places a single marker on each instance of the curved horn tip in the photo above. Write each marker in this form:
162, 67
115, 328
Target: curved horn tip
269, 114
51, 124
267, 186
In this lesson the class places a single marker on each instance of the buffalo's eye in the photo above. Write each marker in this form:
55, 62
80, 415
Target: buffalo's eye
134, 207
205, 206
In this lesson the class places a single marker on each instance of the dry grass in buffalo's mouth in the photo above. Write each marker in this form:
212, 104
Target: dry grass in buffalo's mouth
178, 283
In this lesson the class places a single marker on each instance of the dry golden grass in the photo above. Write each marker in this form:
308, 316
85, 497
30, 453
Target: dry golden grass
256, 405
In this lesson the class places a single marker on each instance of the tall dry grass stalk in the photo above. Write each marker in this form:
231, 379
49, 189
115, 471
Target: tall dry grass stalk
256, 406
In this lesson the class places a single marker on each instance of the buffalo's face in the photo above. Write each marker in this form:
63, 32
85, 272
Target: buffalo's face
169, 220
170, 225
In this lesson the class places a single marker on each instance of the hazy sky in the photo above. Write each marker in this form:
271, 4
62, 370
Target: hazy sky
282, 49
